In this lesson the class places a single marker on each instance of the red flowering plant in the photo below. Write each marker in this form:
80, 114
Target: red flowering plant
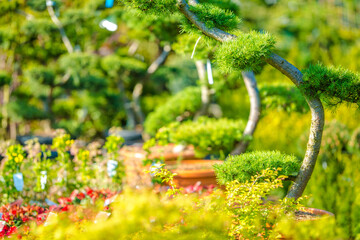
16, 214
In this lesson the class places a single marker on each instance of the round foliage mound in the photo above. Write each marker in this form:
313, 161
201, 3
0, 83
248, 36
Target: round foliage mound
245, 52
242, 167
181, 106
207, 135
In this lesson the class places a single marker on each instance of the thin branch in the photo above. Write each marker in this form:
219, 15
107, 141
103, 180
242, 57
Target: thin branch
56, 21
160, 60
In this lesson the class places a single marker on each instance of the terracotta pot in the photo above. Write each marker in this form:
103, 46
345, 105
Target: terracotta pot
189, 172
134, 155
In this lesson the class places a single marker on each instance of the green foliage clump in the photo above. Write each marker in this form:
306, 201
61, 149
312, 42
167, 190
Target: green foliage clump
113, 64
41, 26
181, 106
246, 52
5, 78
42, 75
333, 84
214, 16
83, 68
242, 167
20, 110
207, 135
156, 7
224, 4
185, 45
40, 5
283, 97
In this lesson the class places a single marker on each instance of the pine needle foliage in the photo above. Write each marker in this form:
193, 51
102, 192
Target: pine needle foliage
242, 167
153, 7
224, 4
246, 52
182, 105
214, 16
332, 84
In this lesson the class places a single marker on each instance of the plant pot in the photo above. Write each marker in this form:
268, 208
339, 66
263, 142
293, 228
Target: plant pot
189, 172
133, 156
307, 215
313, 214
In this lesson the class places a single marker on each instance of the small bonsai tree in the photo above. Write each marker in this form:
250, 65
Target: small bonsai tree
244, 51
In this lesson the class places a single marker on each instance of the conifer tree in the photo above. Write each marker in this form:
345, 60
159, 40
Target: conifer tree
241, 51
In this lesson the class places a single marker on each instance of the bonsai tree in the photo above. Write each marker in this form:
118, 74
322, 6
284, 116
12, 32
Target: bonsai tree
240, 51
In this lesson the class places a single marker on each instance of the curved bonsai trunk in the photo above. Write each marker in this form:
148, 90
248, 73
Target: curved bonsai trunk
205, 91
316, 128
295, 75
312, 150
255, 110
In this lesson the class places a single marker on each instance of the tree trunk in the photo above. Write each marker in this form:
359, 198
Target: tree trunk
205, 91
254, 116
316, 128
312, 150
